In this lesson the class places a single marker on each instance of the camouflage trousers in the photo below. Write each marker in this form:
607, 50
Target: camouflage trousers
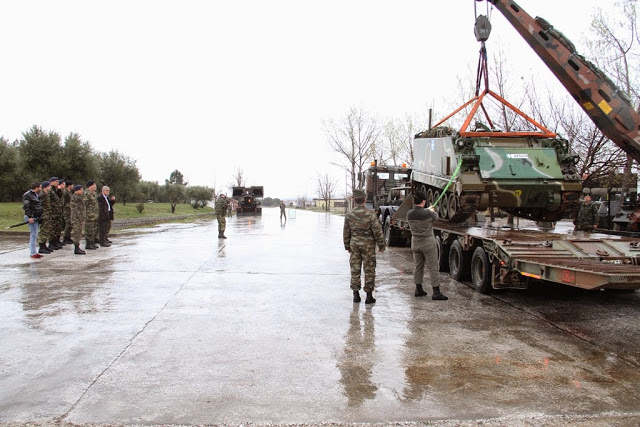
363, 257
425, 253
222, 223
46, 231
76, 232
91, 230
67, 227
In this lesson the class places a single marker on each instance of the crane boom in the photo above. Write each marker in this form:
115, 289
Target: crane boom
607, 106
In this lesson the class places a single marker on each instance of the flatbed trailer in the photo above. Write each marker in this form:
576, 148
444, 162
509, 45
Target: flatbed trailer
499, 257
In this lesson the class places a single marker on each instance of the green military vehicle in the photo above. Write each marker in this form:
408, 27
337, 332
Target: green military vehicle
526, 176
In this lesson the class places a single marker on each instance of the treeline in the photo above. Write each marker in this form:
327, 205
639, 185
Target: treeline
40, 154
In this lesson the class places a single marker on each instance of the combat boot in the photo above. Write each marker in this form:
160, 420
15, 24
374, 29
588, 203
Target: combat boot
105, 244
437, 295
78, 251
43, 249
370, 299
59, 243
56, 243
90, 245
356, 296
420, 292
67, 241
52, 247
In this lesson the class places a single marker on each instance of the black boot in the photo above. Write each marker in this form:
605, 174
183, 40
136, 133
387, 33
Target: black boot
43, 249
437, 295
219, 235
370, 299
223, 236
67, 240
105, 244
78, 251
60, 243
90, 245
52, 247
419, 291
356, 296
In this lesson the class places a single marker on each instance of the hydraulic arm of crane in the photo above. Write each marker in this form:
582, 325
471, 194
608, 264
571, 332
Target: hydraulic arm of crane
608, 106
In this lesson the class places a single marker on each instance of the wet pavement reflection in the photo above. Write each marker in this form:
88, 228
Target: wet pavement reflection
174, 326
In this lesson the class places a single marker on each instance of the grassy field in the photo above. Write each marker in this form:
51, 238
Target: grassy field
12, 213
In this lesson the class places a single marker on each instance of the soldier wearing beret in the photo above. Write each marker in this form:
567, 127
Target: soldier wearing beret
66, 198
361, 233
77, 217
91, 221
47, 225
56, 213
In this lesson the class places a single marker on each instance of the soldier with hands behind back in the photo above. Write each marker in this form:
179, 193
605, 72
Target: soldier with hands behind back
361, 233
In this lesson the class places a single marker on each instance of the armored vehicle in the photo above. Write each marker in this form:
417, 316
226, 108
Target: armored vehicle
527, 176
249, 200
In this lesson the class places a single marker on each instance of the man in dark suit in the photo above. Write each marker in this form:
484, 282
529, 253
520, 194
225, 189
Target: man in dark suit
105, 215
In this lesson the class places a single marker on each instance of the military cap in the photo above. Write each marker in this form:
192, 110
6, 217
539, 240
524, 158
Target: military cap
358, 194
90, 183
62, 181
53, 178
77, 187
45, 184
69, 182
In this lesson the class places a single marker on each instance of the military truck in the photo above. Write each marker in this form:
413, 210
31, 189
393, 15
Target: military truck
380, 179
249, 200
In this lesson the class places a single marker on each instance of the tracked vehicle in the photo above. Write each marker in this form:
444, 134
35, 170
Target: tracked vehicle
527, 176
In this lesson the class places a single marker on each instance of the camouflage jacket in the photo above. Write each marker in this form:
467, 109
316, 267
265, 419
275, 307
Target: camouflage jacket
221, 206
360, 227
587, 216
91, 203
66, 202
56, 202
45, 200
78, 209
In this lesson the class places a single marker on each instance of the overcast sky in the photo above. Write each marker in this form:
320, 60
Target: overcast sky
207, 87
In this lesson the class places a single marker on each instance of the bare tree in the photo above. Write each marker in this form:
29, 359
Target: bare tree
239, 179
326, 189
302, 201
616, 49
352, 137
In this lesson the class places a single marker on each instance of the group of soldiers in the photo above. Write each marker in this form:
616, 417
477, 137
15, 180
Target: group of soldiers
60, 213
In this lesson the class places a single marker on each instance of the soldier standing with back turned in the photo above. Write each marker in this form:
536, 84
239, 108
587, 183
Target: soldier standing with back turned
361, 233
222, 204
66, 212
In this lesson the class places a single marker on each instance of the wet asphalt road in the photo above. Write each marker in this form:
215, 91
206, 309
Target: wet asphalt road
174, 326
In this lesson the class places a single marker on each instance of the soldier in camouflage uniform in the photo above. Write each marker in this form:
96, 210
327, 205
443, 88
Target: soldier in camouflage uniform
77, 216
66, 212
46, 226
362, 232
56, 213
587, 216
222, 204
91, 222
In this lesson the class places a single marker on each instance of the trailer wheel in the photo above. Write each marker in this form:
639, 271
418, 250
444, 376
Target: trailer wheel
390, 235
458, 262
481, 271
443, 255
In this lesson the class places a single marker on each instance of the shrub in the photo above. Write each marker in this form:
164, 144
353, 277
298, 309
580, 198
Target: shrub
140, 207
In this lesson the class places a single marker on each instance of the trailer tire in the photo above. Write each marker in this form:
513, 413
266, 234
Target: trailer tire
443, 255
481, 271
390, 235
458, 262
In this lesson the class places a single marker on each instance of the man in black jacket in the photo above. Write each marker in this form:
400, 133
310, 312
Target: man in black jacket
105, 215
32, 213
